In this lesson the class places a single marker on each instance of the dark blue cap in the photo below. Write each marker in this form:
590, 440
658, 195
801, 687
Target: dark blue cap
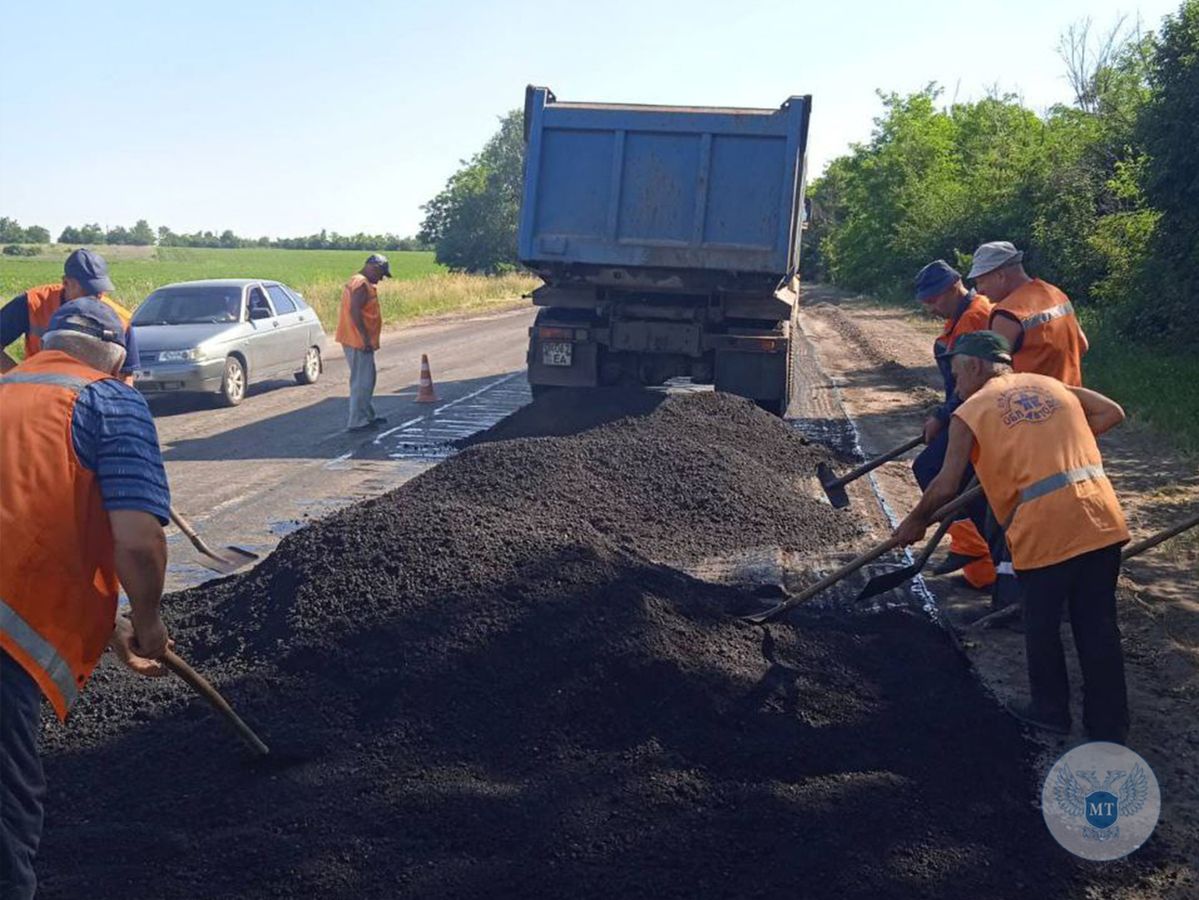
89, 269
934, 278
87, 315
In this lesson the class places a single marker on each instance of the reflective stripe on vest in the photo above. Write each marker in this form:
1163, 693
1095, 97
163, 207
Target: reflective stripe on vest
1036, 320
1053, 483
40, 651
70, 382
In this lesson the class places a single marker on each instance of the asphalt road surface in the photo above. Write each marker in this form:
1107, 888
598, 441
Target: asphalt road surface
249, 475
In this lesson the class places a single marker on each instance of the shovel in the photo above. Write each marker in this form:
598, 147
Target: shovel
834, 487
1000, 616
880, 584
945, 512
200, 685
227, 563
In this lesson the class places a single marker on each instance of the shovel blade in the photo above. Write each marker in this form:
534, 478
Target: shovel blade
228, 561
880, 584
835, 492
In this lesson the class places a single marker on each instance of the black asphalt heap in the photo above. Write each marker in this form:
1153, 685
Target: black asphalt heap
482, 686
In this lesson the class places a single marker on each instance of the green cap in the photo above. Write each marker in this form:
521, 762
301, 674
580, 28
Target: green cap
989, 345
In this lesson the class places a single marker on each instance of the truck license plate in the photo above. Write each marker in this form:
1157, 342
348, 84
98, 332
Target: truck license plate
556, 353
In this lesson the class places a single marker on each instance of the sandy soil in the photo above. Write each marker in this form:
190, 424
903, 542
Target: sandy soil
877, 362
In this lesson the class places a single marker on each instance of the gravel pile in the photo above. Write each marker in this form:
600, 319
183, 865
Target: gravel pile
484, 684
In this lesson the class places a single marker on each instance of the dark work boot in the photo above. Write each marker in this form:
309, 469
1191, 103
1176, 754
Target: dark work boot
1030, 715
952, 563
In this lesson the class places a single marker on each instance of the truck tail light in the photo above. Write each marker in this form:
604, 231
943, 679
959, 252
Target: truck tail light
763, 345
549, 333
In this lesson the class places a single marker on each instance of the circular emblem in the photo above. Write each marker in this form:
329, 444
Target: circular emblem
1026, 404
1101, 801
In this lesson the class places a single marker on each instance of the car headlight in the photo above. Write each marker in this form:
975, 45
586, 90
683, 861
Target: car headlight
178, 355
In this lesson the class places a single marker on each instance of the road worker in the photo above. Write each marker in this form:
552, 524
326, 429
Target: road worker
85, 274
83, 500
1038, 321
940, 291
1036, 318
359, 327
1032, 441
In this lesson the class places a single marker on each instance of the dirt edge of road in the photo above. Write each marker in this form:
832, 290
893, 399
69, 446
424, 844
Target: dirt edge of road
878, 359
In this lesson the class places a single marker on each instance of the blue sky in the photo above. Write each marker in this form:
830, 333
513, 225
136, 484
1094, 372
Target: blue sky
282, 118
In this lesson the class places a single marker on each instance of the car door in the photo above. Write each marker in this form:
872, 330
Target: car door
294, 331
267, 343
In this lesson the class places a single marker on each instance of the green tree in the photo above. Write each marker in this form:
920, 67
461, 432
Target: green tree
141, 233
472, 222
1168, 129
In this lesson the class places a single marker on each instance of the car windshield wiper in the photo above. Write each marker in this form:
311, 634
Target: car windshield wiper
154, 322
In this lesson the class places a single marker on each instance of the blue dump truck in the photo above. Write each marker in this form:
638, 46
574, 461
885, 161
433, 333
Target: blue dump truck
668, 239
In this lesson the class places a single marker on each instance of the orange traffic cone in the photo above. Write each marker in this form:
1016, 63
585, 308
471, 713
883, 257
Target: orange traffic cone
426, 393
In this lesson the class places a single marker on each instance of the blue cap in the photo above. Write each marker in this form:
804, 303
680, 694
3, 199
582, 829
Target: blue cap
934, 278
87, 315
89, 269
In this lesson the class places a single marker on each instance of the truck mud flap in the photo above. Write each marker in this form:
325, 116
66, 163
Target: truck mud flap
583, 370
759, 376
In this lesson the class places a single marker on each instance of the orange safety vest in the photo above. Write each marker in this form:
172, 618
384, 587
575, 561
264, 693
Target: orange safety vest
43, 302
58, 582
348, 334
1051, 342
1040, 468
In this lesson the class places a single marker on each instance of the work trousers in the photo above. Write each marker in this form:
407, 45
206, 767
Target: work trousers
22, 783
362, 386
1087, 583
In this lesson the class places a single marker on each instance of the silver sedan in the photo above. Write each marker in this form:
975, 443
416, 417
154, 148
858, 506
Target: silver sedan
217, 336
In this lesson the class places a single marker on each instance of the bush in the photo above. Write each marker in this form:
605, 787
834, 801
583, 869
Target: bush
20, 250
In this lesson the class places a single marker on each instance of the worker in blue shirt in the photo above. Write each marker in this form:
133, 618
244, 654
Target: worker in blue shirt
77, 521
28, 315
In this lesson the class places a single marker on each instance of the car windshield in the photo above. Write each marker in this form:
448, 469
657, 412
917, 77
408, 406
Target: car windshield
190, 305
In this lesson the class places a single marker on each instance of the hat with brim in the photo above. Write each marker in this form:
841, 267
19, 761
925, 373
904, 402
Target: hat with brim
935, 278
379, 260
90, 270
989, 345
89, 316
994, 255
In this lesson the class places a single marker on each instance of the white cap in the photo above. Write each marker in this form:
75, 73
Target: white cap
994, 255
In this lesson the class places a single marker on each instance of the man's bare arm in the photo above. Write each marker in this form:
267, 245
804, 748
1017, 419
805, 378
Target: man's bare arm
1103, 413
357, 303
140, 551
944, 487
1005, 324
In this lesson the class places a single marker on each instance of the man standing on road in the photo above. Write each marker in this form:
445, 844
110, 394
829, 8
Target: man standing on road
83, 499
1032, 441
940, 290
1036, 318
359, 327
85, 274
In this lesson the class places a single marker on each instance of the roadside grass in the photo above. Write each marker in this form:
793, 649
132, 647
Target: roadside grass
419, 286
1158, 388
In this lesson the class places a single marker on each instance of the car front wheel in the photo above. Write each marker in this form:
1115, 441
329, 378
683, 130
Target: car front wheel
312, 367
233, 384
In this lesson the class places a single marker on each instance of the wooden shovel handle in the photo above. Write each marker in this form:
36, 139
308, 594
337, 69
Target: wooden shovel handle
868, 557
1152, 541
871, 464
190, 533
200, 685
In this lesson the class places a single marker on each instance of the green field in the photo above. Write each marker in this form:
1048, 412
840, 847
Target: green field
419, 286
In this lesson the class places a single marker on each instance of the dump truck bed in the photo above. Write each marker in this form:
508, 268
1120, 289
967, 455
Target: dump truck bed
619, 186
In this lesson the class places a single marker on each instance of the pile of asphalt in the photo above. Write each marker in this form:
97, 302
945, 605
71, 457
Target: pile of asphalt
482, 685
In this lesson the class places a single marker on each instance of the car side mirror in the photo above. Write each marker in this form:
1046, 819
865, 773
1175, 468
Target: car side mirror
259, 313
